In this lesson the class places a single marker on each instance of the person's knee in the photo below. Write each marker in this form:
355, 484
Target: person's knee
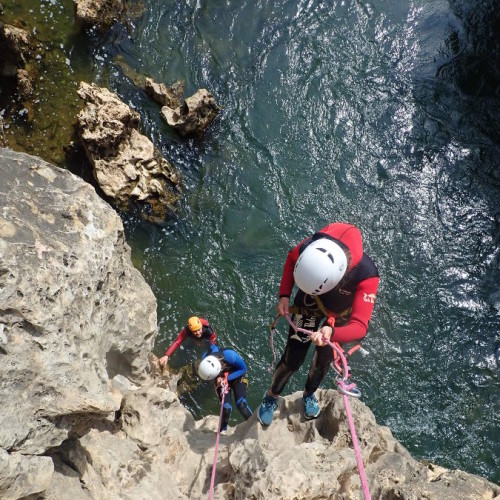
243, 408
292, 363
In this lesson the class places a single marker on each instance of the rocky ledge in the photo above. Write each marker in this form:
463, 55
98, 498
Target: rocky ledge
84, 413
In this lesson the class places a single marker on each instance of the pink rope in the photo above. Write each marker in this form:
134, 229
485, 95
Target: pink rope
224, 391
357, 451
342, 385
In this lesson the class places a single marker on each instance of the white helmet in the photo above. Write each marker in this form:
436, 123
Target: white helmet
320, 267
209, 368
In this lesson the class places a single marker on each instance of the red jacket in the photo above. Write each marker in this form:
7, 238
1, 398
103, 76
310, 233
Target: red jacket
356, 308
207, 334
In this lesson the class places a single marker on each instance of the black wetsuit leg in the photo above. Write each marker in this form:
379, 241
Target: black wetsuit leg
322, 359
240, 394
295, 352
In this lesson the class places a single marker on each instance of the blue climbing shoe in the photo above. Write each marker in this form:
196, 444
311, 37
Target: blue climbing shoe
311, 406
266, 409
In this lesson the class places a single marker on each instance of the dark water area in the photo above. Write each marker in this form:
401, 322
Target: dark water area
383, 114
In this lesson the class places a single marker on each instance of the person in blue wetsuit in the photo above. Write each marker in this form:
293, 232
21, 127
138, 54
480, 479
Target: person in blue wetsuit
218, 363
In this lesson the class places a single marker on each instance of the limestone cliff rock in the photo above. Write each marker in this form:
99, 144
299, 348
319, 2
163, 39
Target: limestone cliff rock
166, 96
84, 413
194, 115
16, 46
74, 312
127, 166
102, 14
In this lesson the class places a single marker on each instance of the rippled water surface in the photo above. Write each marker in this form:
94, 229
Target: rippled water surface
368, 112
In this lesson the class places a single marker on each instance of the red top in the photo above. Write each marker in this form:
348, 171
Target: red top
364, 296
207, 334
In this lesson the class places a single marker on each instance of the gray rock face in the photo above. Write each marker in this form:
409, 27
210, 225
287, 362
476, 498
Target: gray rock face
157, 450
127, 166
84, 413
74, 312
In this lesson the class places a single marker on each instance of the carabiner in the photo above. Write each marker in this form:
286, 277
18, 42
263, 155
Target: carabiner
348, 390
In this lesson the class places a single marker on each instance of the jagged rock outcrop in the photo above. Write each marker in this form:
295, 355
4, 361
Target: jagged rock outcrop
17, 49
166, 96
104, 13
74, 312
194, 115
84, 413
127, 166
157, 450
101, 13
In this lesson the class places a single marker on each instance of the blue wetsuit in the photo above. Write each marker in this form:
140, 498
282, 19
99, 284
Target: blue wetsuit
232, 364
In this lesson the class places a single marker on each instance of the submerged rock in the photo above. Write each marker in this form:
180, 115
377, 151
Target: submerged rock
127, 166
17, 49
24, 85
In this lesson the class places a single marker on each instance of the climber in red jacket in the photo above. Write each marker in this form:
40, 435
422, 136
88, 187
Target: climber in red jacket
197, 328
337, 284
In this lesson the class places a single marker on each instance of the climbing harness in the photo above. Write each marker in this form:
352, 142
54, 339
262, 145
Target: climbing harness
338, 360
224, 391
342, 368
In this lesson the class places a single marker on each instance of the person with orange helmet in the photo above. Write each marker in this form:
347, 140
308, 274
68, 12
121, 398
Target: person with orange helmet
337, 284
198, 329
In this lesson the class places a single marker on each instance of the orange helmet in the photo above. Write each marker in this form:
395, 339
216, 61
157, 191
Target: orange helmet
194, 323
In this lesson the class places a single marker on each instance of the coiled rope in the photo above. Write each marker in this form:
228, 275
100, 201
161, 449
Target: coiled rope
224, 391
